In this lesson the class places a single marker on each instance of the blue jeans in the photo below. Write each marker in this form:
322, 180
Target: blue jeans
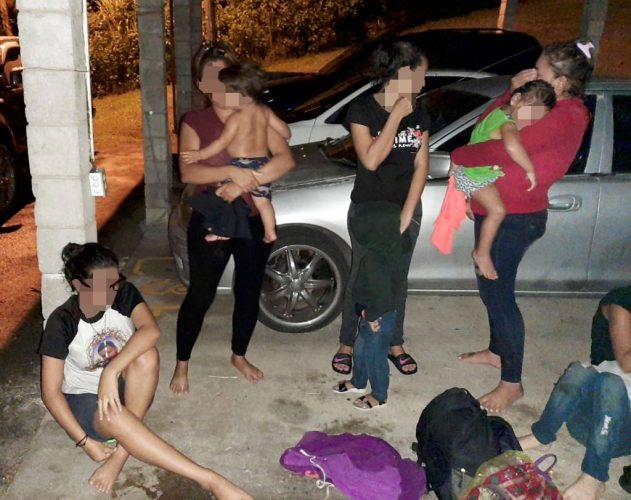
515, 235
348, 330
370, 356
595, 407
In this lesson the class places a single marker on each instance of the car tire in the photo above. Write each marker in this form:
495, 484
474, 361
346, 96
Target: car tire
305, 280
8, 179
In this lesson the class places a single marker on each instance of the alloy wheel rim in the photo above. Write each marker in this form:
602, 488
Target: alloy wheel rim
301, 285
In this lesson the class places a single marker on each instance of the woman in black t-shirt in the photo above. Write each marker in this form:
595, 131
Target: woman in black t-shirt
100, 371
391, 138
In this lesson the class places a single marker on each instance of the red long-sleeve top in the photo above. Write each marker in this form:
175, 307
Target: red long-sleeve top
551, 143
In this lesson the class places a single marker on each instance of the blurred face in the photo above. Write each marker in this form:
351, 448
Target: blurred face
546, 73
210, 84
408, 81
99, 291
235, 100
528, 114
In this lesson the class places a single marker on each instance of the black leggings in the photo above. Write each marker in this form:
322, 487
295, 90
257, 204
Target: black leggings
207, 261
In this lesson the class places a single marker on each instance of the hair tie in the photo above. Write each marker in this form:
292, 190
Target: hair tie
584, 48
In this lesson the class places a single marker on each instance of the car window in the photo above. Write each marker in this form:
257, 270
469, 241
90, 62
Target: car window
12, 54
580, 161
621, 161
444, 106
460, 139
338, 116
431, 83
578, 165
320, 103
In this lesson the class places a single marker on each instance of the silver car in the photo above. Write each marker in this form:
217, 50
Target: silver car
586, 249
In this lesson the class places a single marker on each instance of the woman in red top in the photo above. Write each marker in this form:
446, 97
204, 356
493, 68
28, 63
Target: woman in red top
552, 144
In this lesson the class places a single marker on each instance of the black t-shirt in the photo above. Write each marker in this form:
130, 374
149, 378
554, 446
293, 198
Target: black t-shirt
391, 180
88, 344
602, 349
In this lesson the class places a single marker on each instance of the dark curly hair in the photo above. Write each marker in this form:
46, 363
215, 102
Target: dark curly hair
80, 260
391, 56
210, 52
247, 78
539, 92
568, 60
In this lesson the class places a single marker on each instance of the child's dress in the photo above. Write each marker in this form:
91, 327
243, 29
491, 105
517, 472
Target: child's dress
469, 180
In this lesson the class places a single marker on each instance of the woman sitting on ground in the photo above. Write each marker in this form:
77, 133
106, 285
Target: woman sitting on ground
594, 400
100, 371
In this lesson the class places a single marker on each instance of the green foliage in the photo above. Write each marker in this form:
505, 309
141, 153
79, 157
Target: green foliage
265, 29
113, 42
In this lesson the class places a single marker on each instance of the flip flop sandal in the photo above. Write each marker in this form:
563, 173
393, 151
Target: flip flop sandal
342, 358
403, 360
342, 388
364, 404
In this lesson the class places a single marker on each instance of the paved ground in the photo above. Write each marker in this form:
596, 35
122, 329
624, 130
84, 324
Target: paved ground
241, 430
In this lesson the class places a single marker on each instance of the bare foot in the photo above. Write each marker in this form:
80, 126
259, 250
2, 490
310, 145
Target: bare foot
223, 489
530, 442
270, 237
210, 237
249, 371
344, 349
502, 397
179, 382
105, 476
485, 265
485, 357
585, 487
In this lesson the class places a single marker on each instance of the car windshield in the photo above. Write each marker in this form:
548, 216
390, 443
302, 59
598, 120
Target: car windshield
444, 106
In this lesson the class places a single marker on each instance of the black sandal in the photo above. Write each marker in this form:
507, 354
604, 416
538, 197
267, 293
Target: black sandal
342, 358
402, 360
625, 479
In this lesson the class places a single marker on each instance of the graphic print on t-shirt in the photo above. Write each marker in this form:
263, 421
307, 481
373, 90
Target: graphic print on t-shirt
409, 138
104, 347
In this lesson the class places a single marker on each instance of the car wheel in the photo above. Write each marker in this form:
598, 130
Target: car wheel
305, 280
8, 179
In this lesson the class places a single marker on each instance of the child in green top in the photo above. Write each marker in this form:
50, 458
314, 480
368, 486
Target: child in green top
528, 103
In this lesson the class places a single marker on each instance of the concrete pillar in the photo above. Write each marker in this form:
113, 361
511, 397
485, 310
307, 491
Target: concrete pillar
184, 49
508, 14
53, 38
593, 21
199, 101
155, 124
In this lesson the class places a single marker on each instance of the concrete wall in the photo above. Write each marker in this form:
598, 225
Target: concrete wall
56, 92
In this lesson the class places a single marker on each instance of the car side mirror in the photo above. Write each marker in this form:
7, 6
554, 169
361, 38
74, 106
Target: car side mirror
16, 77
439, 164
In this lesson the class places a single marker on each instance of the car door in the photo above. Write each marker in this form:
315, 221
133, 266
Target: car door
610, 259
558, 262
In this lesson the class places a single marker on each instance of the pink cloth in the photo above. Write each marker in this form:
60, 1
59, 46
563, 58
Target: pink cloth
452, 213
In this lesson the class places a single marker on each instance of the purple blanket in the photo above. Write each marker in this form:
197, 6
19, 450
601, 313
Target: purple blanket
360, 466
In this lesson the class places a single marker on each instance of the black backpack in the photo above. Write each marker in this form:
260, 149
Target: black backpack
455, 436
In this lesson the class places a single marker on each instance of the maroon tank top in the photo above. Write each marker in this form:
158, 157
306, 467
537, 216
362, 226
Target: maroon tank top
208, 128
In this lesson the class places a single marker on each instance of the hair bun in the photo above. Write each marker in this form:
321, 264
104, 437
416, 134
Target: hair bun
70, 251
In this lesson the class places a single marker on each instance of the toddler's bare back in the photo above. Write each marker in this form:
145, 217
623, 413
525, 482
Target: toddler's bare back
251, 138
